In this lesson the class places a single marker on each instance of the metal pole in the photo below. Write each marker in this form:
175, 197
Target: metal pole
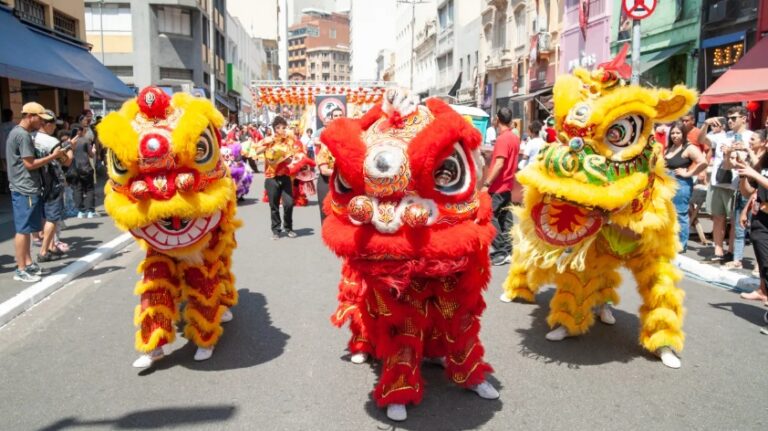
101, 28
212, 51
635, 52
413, 31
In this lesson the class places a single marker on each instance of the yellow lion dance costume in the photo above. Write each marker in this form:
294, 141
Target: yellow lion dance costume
600, 198
168, 187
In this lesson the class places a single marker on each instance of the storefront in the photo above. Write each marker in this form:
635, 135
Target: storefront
36, 65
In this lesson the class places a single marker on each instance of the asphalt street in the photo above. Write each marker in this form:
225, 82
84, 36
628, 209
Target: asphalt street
281, 365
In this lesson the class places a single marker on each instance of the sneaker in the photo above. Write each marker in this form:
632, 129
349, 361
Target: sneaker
80, 214
275, 236
764, 330
26, 277
34, 269
91, 214
291, 234
501, 260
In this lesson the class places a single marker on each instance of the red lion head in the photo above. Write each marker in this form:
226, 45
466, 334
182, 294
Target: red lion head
405, 183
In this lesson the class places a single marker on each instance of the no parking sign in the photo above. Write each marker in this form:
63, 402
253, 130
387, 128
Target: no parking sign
639, 9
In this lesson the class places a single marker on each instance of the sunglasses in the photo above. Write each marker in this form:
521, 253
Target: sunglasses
734, 118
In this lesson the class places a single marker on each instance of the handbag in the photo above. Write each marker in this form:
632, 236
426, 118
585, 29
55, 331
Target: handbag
723, 176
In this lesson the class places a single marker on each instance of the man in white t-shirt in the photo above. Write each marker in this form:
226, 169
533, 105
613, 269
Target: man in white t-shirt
309, 143
533, 146
722, 190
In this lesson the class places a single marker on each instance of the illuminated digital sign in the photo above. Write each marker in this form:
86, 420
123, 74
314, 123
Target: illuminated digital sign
721, 57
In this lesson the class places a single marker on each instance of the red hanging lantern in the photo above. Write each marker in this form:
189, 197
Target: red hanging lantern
704, 106
753, 106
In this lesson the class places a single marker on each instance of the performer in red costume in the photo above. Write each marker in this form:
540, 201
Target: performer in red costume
405, 215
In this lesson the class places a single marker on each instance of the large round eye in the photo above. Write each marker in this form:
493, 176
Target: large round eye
341, 185
116, 164
204, 148
624, 132
451, 175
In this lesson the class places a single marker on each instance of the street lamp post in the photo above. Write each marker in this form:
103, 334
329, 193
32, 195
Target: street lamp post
413, 4
101, 29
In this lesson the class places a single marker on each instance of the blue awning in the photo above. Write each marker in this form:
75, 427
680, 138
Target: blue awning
31, 56
25, 57
105, 84
226, 102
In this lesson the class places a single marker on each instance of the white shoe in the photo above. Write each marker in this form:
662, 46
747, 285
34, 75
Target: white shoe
669, 358
606, 314
227, 316
505, 298
203, 353
148, 359
485, 390
397, 412
359, 358
557, 334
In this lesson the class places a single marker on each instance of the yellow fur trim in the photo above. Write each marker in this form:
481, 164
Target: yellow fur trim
139, 315
158, 284
154, 339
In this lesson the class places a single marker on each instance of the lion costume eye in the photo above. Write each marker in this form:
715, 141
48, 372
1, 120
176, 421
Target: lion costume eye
118, 172
204, 148
341, 185
624, 132
451, 176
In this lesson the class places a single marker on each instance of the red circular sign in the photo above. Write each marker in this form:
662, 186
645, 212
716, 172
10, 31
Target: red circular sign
639, 9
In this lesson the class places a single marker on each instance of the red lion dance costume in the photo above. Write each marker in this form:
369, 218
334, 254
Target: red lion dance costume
405, 216
170, 189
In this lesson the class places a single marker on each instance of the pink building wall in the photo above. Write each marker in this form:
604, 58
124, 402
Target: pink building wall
596, 49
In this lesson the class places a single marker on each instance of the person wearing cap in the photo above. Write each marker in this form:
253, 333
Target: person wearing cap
26, 187
53, 187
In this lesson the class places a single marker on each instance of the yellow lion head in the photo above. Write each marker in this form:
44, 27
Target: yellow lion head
167, 184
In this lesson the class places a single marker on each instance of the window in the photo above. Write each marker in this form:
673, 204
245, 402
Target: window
31, 11
469, 66
116, 18
174, 20
64, 24
461, 65
520, 26
173, 73
445, 15
332, 33
500, 31
121, 70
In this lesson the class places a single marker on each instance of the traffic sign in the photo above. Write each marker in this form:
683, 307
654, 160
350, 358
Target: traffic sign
639, 9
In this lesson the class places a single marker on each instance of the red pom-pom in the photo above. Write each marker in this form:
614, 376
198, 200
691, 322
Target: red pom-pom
753, 106
154, 103
551, 135
704, 106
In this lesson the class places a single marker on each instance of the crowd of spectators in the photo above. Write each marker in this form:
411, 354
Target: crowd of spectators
50, 167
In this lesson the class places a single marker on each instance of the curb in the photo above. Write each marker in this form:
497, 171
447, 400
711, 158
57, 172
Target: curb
30, 296
716, 276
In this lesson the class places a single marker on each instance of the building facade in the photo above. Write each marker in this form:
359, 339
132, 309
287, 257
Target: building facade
410, 20
164, 43
589, 45
728, 30
669, 42
318, 47
45, 59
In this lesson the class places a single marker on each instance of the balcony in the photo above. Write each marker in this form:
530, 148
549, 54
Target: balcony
499, 58
544, 43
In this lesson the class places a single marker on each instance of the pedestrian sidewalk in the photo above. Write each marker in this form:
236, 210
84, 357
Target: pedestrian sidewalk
695, 265
82, 235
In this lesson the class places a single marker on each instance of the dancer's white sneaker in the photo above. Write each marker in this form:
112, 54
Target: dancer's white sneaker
148, 359
557, 334
203, 353
359, 358
606, 314
397, 412
505, 298
669, 358
227, 316
485, 390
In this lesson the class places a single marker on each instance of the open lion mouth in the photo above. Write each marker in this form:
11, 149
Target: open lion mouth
562, 223
175, 232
